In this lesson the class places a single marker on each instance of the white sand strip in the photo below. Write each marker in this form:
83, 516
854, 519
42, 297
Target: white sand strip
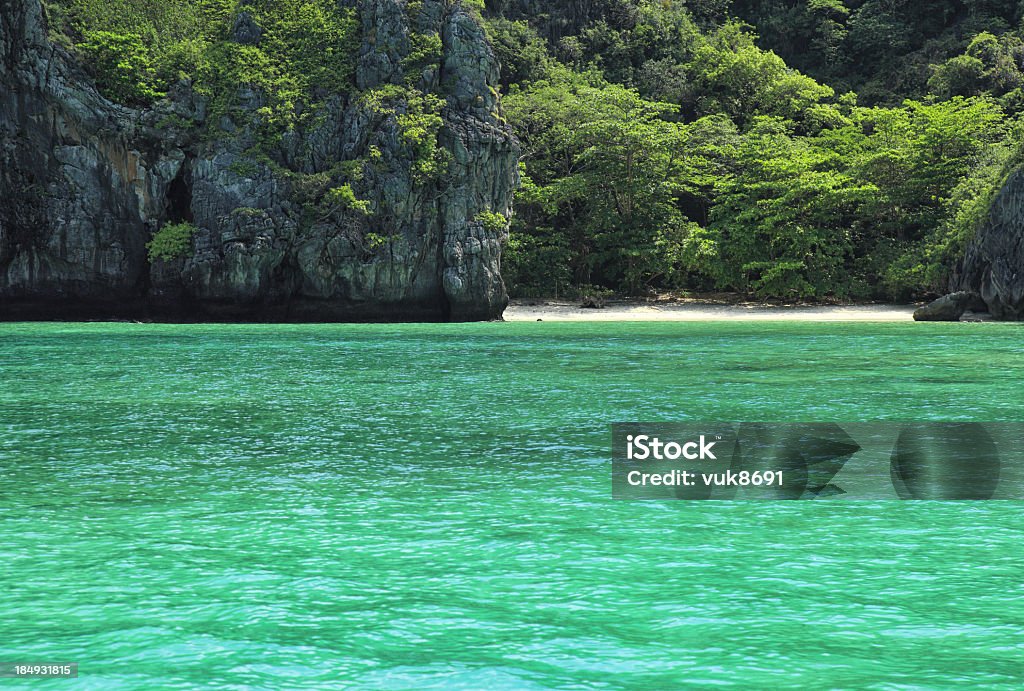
521, 310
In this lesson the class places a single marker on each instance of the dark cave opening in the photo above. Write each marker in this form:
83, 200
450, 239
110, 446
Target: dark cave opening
179, 198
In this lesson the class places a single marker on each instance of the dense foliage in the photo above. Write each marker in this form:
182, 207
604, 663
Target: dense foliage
666, 147
785, 148
171, 242
139, 49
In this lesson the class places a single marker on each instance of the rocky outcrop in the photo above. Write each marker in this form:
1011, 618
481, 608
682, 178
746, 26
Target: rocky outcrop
951, 307
993, 265
85, 184
79, 193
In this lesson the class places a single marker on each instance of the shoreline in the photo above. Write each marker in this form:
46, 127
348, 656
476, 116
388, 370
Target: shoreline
523, 310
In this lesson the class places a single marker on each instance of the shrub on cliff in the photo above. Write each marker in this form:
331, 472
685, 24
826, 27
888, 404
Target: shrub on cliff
122, 65
171, 242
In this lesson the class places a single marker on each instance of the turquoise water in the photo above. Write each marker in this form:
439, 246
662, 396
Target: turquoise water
428, 506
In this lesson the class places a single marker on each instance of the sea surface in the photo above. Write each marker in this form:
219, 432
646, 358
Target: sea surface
429, 506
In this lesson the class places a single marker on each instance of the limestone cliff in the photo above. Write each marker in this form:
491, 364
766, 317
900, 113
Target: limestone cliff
86, 183
993, 266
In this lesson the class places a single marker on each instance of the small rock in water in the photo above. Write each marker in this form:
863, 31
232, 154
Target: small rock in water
950, 308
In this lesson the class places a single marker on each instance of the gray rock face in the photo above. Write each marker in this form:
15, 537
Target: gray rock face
950, 308
380, 58
77, 192
84, 185
993, 265
245, 29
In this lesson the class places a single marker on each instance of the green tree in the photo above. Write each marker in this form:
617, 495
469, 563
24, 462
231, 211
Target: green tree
784, 224
735, 77
606, 169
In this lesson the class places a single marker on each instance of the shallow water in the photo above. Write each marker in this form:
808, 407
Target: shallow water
428, 506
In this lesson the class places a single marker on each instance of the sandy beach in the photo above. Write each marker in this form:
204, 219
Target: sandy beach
555, 311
